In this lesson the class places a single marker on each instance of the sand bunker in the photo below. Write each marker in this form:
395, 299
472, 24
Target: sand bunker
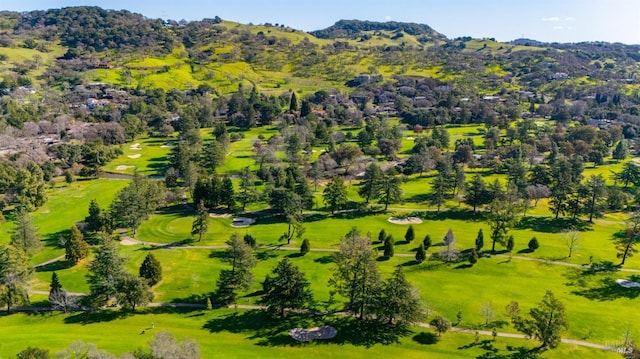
220, 215
407, 220
410, 138
307, 335
136, 146
627, 283
124, 167
241, 222
137, 155
128, 242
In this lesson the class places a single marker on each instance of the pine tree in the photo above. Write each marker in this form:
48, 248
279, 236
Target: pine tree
479, 240
382, 236
106, 269
293, 103
473, 257
286, 289
410, 235
25, 234
240, 277
510, 243
533, 244
200, 224
621, 151
76, 248
151, 270
399, 301
427, 242
389, 246
305, 247
371, 182
227, 193
58, 297
335, 194
421, 254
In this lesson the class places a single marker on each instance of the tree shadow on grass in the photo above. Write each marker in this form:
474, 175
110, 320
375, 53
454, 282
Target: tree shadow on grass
53, 239
512, 353
457, 214
108, 315
552, 225
270, 331
55, 266
600, 286
324, 260
426, 338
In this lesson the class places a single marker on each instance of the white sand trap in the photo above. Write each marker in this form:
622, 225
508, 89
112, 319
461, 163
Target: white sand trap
137, 155
408, 220
135, 146
128, 242
411, 138
166, 145
220, 215
307, 335
627, 283
124, 167
241, 222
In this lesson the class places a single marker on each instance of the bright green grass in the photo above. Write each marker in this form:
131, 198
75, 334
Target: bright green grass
147, 156
190, 273
66, 205
223, 333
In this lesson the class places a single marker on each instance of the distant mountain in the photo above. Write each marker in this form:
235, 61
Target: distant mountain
354, 28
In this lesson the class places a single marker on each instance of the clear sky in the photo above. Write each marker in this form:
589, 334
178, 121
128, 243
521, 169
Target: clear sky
544, 20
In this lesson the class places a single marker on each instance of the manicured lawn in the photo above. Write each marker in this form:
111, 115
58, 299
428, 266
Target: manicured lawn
147, 156
67, 204
245, 334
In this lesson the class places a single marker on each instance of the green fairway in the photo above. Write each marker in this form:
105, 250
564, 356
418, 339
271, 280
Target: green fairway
243, 334
67, 204
147, 156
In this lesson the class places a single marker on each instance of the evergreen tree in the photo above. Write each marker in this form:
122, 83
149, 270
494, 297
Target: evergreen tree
151, 270
94, 220
305, 247
439, 187
427, 242
389, 246
421, 254
410, 235
473, 257
389, 190
382, 236
399, 301
479, 240
621, 151
356, 275
533, 244
335, 194
25, 234
510, 243
293, 103
58, 297
476, 193
371, 182
76, 248
200, 224
106, 269
247, 192
227, 194
240, 277
287, 288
